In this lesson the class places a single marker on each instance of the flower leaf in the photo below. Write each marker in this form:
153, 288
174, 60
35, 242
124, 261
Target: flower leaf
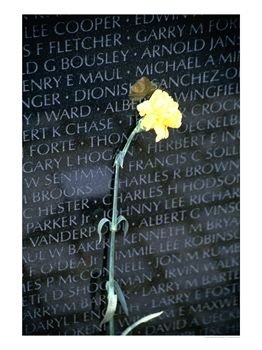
126, 224
111, 308
111, 305
142, 320
121, 297
119, 159
101, 223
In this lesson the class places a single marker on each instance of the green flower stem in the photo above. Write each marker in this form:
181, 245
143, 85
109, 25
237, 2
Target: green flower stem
119, 160
136, 130
111, 276
113, 229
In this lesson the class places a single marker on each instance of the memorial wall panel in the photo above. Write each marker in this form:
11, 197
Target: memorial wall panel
180, 195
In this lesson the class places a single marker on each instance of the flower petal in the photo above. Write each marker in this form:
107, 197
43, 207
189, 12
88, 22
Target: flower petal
175, 121
148, 121
161, 132
159, 113
144, 108
158, 100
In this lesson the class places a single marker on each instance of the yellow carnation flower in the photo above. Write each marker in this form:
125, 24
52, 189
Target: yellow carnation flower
159, 113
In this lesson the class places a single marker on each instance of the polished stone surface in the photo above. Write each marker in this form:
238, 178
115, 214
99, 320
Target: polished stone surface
180, 196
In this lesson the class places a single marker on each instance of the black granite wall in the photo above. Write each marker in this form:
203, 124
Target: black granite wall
181, 195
